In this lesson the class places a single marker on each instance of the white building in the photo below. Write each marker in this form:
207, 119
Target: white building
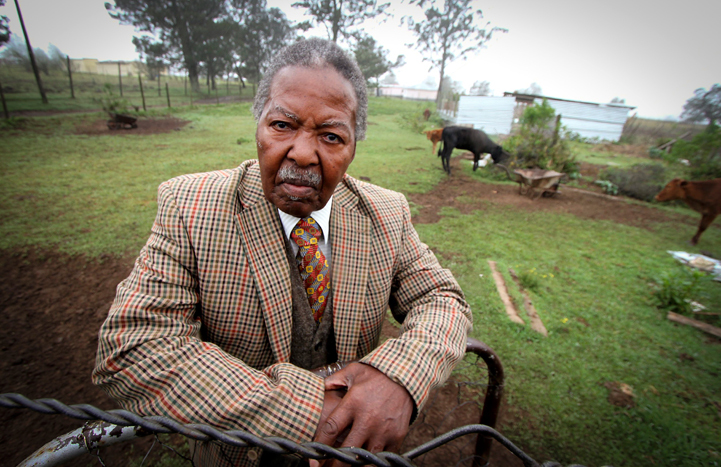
420, 93
498, 115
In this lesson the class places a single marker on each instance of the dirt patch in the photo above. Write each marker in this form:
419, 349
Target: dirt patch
586, 205
620, 394
146, 126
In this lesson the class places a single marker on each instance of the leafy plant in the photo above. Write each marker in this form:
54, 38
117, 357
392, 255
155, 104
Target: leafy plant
676, 290
111, 103
703, 153
540, 142
608, 187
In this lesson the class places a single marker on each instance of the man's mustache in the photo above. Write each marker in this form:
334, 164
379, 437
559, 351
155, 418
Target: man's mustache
298, 176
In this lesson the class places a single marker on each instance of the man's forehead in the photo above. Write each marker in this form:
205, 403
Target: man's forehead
331, 122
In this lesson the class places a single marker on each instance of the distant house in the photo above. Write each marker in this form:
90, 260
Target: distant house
500, 115
588, 119
420, 93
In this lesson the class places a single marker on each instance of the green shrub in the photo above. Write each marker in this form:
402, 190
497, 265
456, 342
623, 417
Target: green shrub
703, 153
642, 181
540, 142
608, 187
675, 291
656, 153
417, 123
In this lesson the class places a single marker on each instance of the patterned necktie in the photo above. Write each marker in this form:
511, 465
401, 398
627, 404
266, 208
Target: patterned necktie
312, 264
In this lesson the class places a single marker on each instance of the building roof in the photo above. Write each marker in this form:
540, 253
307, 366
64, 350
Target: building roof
535, 96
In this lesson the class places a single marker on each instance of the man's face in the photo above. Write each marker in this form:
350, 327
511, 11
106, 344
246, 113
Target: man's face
305, 137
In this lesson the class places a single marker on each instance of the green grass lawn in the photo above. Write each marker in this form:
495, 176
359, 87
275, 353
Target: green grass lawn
592, 279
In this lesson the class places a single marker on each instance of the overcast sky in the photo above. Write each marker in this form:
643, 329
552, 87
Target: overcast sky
654, 54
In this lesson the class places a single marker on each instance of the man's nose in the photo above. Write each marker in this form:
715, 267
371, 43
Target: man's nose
304, 150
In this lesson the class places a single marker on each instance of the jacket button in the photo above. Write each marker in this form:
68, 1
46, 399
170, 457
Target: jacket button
253, 455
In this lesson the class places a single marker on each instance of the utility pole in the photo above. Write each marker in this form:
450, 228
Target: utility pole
32, 55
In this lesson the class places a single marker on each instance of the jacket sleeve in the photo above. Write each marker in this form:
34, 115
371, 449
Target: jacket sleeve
152, 361
435, 319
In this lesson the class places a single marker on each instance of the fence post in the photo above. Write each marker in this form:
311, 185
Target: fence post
31, 54
70, 76
167, 93
185, 82
159, 95
142, 94
217, 101
5, 106
120, 79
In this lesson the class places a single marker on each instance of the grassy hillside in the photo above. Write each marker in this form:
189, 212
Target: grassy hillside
592, 280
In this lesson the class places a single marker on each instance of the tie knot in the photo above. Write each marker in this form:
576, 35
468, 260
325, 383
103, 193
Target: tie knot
306, 232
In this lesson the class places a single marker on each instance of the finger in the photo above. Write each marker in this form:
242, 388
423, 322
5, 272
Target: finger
336, 423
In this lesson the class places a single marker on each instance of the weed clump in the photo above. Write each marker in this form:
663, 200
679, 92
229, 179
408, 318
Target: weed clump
641, 181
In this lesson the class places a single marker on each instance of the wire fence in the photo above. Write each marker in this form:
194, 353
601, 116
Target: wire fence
85, 90
443, 435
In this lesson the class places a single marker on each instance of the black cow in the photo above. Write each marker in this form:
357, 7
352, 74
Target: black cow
472, 140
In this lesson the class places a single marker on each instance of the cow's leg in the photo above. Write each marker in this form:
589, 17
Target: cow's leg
706, 220
476, 157
435, 143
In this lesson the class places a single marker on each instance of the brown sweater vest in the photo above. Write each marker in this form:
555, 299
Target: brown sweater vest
312, 344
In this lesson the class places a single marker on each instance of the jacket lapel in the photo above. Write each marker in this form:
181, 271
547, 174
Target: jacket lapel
264, 245
350, 234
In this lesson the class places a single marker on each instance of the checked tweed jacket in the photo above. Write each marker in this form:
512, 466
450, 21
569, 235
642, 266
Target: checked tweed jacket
201, 329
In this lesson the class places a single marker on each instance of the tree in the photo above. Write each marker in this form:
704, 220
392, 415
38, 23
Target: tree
4, 27
182, 25
264, 33
389, 78
534, 89
153, 54
480, 88
449, 33
373, 59
340, 16
703, 106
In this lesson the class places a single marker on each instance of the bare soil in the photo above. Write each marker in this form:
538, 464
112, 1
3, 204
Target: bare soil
53, 305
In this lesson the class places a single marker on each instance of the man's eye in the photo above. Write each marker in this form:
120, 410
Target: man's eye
280, 125
333, 138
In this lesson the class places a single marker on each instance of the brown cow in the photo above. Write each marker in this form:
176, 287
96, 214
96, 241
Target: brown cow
435, 136
703, 197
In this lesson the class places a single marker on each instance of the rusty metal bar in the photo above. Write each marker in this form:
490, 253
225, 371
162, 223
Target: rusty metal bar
84, 440
492, 401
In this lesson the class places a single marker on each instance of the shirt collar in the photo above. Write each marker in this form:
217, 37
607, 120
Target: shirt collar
322, 217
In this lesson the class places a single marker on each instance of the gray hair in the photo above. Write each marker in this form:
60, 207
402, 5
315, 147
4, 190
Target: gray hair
317, 53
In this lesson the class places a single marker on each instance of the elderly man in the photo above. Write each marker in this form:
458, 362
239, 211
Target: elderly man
256, 275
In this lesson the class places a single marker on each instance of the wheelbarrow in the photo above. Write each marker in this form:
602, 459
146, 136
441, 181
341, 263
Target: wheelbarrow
122, 122
543, 182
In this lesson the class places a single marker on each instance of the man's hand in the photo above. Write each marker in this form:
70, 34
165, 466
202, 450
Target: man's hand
373, 414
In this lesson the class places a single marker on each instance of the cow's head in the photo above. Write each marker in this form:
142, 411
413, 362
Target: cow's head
499, 155
673, 190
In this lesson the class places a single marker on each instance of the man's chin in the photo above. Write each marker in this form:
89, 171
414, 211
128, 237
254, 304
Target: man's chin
298, 207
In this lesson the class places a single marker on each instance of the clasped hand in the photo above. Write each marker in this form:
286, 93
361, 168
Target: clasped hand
363, 408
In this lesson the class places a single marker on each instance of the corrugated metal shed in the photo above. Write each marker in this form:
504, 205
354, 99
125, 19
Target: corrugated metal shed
602, 121
493, 115
588, 119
